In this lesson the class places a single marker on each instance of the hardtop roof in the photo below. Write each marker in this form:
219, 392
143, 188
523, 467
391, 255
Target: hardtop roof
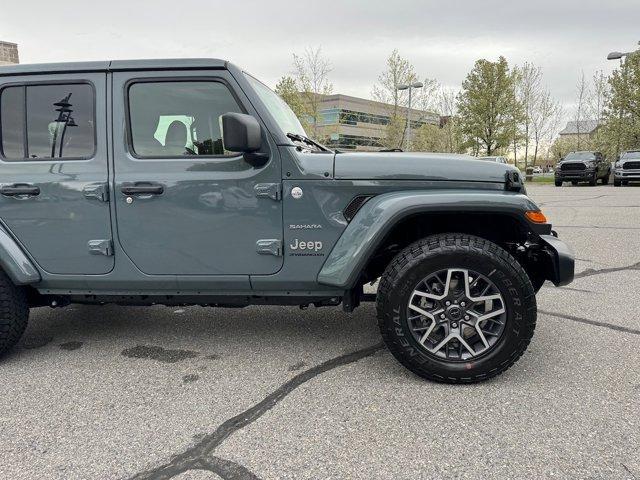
114, 65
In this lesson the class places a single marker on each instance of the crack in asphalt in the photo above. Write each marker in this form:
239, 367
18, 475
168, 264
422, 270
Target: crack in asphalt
591, 322
575, 199
589, 272
199, 456
597, 227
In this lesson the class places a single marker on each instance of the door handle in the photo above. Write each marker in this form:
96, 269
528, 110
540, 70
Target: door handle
17, 189
142, 188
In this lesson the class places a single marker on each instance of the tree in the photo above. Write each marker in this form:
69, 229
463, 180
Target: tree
489, 110
545, 119
529, 92
287, 89
399, 71
311, 75
621, 130
581, 108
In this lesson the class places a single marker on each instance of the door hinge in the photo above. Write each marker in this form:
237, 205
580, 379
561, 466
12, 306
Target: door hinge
269, 247
269, 190
97, 190
101, 247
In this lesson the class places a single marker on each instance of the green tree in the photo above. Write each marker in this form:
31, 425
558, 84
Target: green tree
287, 88
621, 129
489, 110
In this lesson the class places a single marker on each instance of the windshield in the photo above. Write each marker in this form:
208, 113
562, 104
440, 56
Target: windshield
580, 156
283, 115
630, 155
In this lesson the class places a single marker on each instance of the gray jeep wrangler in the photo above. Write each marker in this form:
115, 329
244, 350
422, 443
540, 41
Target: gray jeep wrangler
189, 182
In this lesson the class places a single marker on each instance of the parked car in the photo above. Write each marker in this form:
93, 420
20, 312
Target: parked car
537, 169
582, 167
627, 168
183, 182
494, 159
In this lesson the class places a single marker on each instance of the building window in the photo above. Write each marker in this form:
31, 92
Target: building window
178, 118
59, 121
352, 142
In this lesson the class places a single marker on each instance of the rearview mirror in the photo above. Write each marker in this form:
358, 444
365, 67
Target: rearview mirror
240, 132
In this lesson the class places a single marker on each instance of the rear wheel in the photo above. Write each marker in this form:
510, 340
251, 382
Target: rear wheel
558, 183
605, 179
456, 308
14, 313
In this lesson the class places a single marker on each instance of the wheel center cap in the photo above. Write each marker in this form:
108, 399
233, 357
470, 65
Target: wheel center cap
454, 312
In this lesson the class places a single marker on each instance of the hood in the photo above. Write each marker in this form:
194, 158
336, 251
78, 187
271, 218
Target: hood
418, 166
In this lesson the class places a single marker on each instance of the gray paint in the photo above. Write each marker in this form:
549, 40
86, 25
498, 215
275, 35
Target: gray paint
378, 216
199, 237
14, 262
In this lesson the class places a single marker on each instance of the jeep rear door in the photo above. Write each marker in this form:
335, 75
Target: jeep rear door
53, 170
184, 205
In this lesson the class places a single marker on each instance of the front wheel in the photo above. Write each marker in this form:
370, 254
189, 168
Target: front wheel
617, 183
456, 308
558, 183
605, 179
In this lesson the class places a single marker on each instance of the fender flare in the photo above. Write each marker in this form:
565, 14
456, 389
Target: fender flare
14, 262
378, 216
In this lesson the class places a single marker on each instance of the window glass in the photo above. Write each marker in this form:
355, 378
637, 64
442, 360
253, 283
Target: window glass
60, 122
12, 122
170, 119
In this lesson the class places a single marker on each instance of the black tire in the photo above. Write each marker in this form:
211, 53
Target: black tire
605, 179
617, 183
593, 180
14, 313
558, 183
574, 182
443, 251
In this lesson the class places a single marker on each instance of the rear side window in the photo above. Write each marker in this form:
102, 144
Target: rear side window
47, 121
178, 119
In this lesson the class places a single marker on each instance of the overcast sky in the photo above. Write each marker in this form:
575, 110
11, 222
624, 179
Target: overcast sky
441, 38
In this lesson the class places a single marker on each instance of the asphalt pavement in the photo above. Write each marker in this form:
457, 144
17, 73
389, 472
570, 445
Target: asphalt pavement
275, 392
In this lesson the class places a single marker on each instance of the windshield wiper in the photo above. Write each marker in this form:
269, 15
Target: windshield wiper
301, 138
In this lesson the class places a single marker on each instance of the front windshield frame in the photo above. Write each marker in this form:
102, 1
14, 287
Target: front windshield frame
282, 114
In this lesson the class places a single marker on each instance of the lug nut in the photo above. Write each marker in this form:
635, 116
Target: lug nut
442, 315
454, 325
466, 317
447, 303
462, 304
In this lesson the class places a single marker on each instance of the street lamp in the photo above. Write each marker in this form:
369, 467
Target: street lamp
409, 87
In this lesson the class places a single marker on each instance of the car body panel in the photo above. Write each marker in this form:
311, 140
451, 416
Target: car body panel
378, 216
14, 262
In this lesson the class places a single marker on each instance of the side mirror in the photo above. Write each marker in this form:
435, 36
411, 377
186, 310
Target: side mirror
242, 133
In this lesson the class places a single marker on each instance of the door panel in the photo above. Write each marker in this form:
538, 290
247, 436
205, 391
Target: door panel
184, 211
56, 220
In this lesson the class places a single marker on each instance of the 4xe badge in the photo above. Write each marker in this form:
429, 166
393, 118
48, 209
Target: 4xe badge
301, 248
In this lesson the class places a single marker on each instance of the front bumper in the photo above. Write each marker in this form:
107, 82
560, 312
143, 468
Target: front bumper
560, 260
580, 175
621, 174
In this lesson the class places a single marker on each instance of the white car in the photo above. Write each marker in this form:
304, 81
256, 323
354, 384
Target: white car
537, 169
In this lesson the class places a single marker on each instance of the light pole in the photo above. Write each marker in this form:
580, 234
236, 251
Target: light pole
409, 87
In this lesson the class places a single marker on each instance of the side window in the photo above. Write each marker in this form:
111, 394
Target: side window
47, 121
178, 118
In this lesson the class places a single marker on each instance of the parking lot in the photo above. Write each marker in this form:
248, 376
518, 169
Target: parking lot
275, 392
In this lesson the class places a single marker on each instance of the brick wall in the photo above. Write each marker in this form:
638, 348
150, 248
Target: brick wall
8, 53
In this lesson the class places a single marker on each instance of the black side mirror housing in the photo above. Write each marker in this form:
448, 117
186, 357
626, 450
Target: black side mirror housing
242, 133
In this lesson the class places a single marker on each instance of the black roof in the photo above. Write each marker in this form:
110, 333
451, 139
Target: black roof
114, 65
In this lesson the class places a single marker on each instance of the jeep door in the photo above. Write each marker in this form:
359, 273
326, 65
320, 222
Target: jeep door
185, 205
53, 170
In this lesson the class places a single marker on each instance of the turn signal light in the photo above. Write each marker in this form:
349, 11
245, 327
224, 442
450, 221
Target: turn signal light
535, 216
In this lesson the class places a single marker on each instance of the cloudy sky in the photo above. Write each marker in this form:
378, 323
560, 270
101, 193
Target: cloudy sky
441, 38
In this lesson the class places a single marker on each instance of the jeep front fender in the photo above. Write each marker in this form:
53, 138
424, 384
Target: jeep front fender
379, 215
14, 262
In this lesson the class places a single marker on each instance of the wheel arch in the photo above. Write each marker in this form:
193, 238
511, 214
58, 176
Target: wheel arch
14, 262
388, 223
